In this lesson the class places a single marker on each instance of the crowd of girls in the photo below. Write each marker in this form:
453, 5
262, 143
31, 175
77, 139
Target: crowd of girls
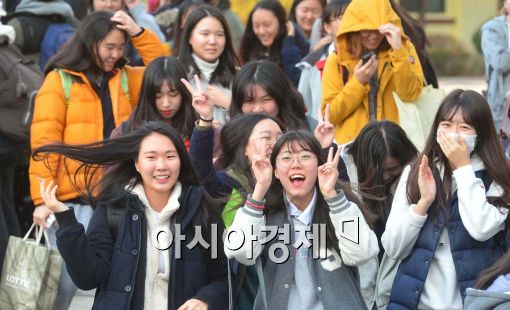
227, 145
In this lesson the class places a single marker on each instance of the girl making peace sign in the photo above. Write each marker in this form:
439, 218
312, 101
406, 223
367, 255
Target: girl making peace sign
305, 191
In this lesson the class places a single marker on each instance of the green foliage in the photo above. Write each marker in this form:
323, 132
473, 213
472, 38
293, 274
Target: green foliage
451, 58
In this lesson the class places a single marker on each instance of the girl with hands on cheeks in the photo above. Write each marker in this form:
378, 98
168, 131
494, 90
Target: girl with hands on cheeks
361, 91
295, 189
447, 222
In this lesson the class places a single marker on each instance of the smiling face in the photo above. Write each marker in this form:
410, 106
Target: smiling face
307, 12
159, 165
207, 39
262, 139
168, 101
265, 26
110, 50
371, 39
296, 168
259, 101
457, 125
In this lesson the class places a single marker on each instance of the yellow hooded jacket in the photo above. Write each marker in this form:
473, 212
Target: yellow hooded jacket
399, 71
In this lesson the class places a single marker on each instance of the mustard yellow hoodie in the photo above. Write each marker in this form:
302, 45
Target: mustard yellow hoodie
399, 71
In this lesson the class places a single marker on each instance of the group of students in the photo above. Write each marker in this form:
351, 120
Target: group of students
197, 141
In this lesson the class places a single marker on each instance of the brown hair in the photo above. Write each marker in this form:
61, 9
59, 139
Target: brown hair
500, 267
476, 112
355, 46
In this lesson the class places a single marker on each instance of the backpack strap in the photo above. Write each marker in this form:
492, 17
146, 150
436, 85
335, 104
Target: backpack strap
125, 84
67, 82
262, 284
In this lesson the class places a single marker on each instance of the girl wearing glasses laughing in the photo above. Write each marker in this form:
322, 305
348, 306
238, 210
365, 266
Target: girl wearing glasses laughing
305, 192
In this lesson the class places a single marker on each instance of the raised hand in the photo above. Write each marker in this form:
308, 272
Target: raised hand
262, 172
290, 29
363, 72
325, 131
427, 186
393, 35
456, 150
48, 195
126, 23
327, 174
201, 103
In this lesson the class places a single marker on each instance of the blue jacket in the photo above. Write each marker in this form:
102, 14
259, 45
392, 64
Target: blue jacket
470, 256
116, 266
496, 56
217, 182
293, 50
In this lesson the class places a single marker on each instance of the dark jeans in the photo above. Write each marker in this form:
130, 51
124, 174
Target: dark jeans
9, 225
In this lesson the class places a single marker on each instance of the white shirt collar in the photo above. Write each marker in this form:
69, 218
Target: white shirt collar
305, 216
171, 206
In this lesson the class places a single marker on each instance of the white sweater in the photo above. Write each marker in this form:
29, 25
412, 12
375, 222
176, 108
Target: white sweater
157, 272
249, 219
481, 219
207, 69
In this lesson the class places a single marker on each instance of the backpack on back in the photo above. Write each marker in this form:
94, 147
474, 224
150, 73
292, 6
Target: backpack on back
30, 29
19, 78
56, 35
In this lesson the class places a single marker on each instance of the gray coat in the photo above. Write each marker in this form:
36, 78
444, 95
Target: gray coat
337, 289
497, 65
480, 299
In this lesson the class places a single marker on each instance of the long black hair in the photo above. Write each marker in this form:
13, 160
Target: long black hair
80, 52
500, 267
234, 138
251, 47
226, 69
377, 141
119, 156
304, 140
476, 112
266, 74
184, 9
160, 70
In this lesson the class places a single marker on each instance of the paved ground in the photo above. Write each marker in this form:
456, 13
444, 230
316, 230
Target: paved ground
450, 83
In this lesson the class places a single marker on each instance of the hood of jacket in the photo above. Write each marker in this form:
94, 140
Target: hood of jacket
365, 15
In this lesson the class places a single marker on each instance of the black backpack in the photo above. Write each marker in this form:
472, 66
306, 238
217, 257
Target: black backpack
20, 78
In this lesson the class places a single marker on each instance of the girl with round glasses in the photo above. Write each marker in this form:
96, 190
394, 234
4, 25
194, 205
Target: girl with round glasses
304, 192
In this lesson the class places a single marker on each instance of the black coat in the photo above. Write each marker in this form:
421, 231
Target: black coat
117, 267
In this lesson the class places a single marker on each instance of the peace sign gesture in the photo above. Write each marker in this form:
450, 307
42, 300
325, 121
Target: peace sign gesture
200, 102
325, 131
262, 172
327, 174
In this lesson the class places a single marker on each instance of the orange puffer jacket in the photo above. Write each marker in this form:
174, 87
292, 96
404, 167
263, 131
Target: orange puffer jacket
81, 120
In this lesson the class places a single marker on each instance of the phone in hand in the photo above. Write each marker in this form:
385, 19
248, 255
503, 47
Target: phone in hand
366, 57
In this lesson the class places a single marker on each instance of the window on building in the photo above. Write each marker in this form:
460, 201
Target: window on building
430, 5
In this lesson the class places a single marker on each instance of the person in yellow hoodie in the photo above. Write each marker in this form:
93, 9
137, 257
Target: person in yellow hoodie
100, 93
359, 90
